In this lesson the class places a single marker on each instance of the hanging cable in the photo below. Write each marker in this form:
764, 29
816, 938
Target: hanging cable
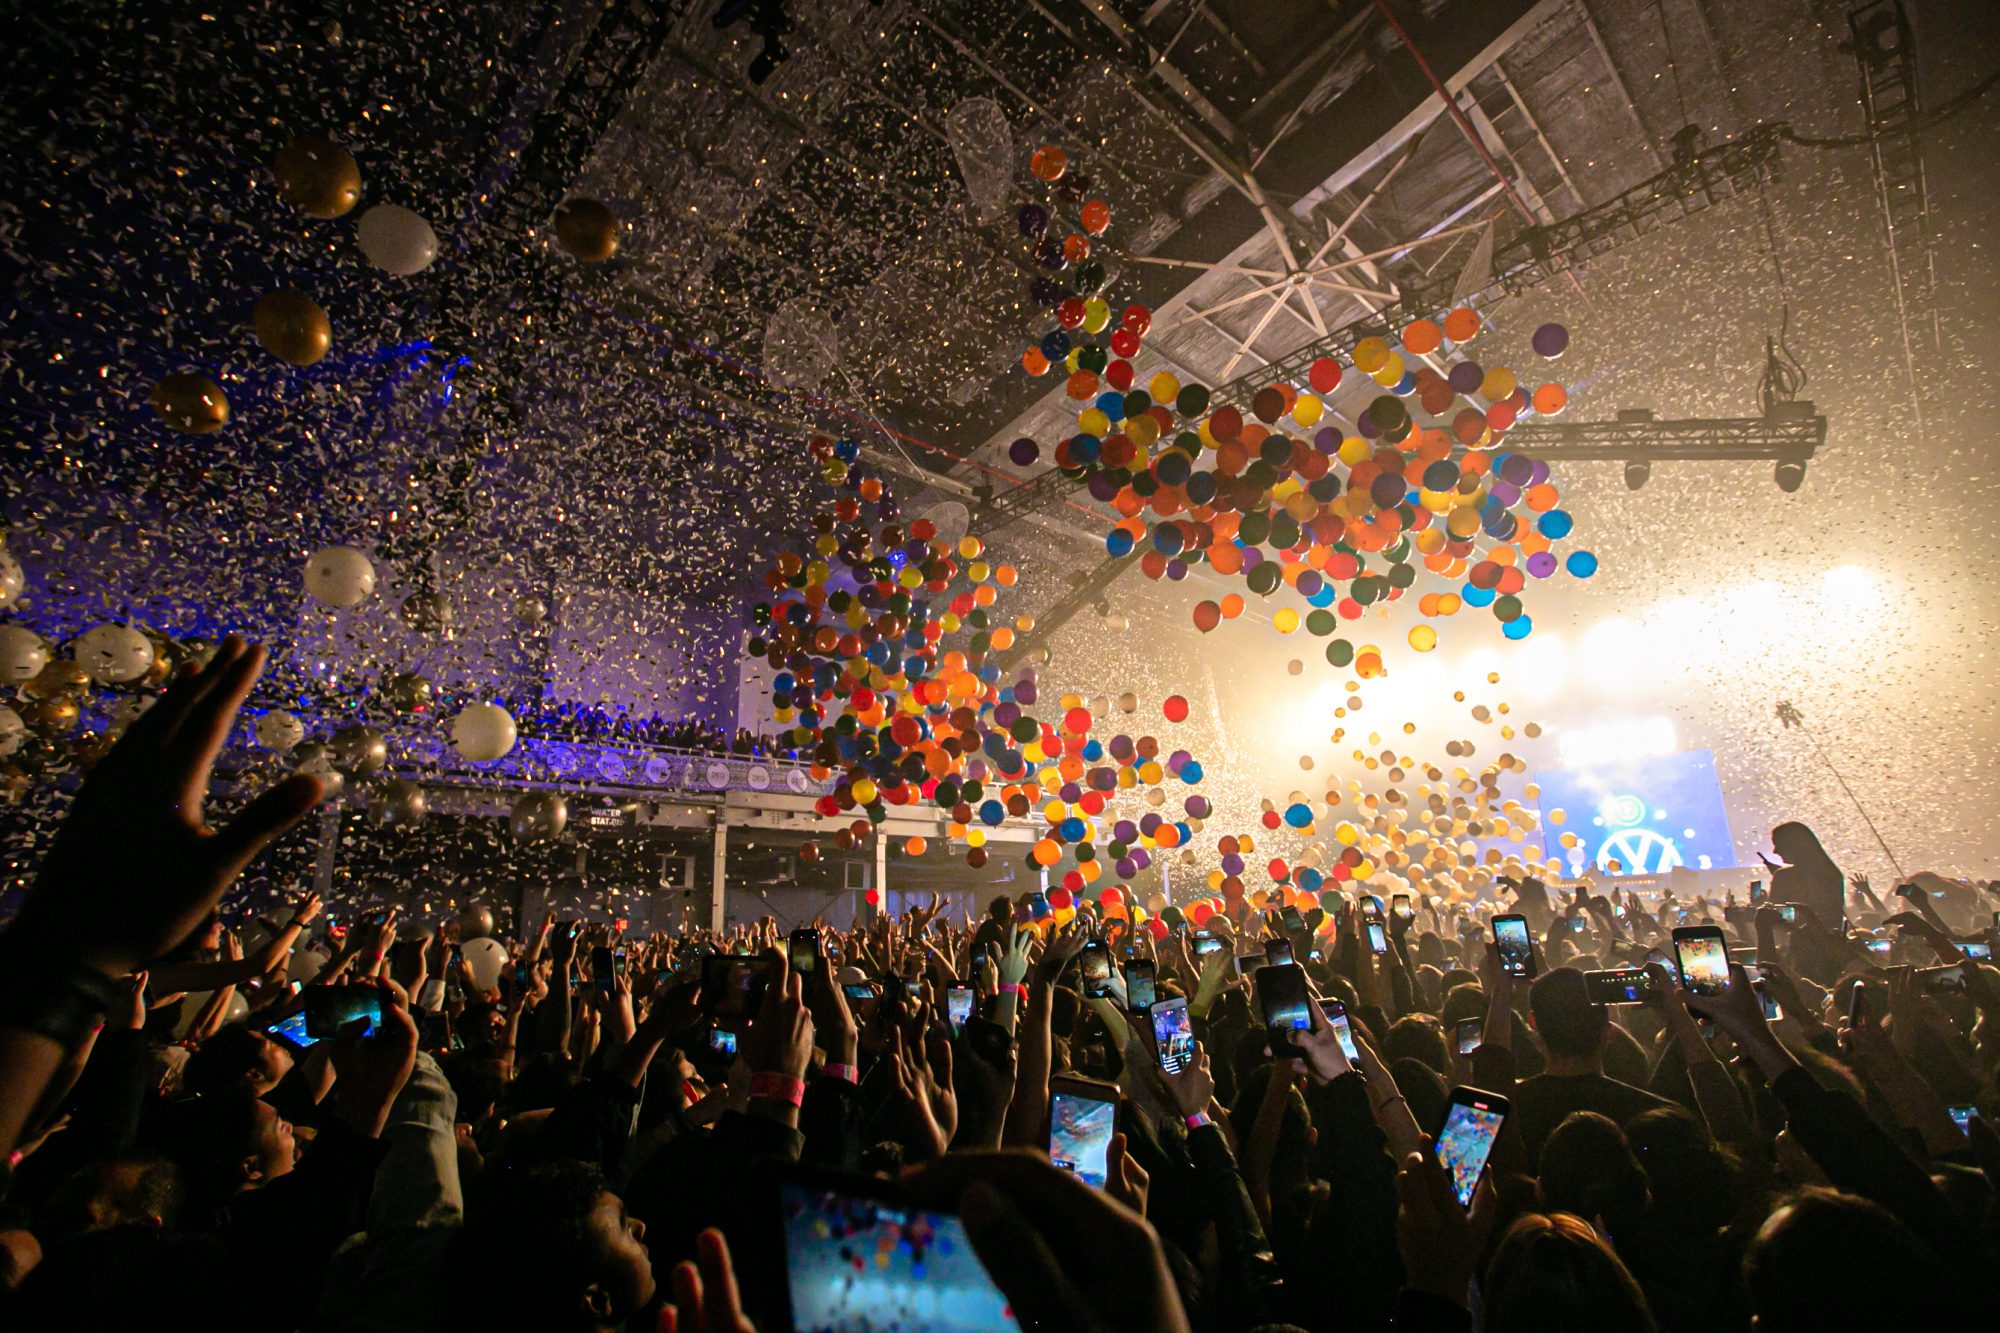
1784, 373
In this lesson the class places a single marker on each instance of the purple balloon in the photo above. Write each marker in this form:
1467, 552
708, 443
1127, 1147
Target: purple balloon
1127, 867
1124, 830
1006, 713
1149, 823
1103, 487
1505, 494
1025, 692
1197, 807
1232, 864
1023, 451
1538, 472
1550, 340
1327, 439
1177, 760
1033, 220
1141, 857
1069, 793
1542, 564
1177, 569
1310, 582
1465, 376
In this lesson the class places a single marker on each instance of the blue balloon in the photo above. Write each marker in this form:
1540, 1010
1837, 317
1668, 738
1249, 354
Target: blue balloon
1556, 524
1118, 542
1581, 564
991, 813
1071, 829
1477, 596
1518, 628
1190, 772
1299, 814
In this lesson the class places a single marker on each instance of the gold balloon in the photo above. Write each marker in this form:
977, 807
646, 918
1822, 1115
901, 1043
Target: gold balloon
359, 752
408, 692
191, 403
61, 679
50, 717
588, 230
427, 613
292, 327
318, 177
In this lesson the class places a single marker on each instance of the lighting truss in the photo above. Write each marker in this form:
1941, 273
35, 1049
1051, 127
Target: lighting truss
1790, 433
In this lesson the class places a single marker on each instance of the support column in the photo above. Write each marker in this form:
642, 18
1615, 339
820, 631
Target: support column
717, 881
329, 848
882, 873
1166, 882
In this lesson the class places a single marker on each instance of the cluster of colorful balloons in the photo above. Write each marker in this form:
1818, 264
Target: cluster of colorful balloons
883, 642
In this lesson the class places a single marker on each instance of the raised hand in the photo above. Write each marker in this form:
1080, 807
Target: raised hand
135, 867
1440, 1241
705, 1298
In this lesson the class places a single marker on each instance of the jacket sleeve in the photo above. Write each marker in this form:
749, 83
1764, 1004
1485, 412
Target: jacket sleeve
1249, 1278
1355, 1233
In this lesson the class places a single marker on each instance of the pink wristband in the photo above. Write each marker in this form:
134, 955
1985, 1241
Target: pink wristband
848, 1072
1018, 990
778, 1087
1198, 1119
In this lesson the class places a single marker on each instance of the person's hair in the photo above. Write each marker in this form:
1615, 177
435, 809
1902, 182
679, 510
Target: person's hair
1800, 847
208, 1138
1001, 908
1625, 1059
1552, 1274
478, 1082
1800, 1269
220, 1062
1565, 1019
1462, 1000
1417, 1037
1694, 1181
1423, 1088
1588, 1168
129, 1190
526, 1251
1291, 1161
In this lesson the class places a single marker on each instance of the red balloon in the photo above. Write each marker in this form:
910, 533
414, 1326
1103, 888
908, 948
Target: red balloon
1059, 898
1199, 913
1176, 708
1157, 928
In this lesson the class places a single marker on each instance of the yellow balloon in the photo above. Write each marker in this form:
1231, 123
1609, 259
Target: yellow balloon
1163, 388
1286, 621
1093, 421
1307, 410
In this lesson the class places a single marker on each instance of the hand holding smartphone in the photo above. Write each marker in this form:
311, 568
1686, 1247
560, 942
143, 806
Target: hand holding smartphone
1083, 1115
1282, 995
1173, 1034
1472, 1122
1515, 945
1702, 954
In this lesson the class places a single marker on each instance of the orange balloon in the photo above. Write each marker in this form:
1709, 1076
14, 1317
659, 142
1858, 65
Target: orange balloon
1422, 336
1551, 399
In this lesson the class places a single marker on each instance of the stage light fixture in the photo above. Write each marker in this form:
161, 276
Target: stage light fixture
1791, 474
1637, 470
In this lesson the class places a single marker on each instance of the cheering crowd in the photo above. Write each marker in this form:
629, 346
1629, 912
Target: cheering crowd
1559, 1110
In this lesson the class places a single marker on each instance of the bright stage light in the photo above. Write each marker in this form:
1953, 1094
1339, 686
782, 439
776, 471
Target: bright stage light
1854, 584
1610, 742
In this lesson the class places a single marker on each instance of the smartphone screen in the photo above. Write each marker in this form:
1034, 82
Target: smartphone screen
1291, 920
1516, 946
1281, 993
600, 968
1788, 913
722, 1041
1962, 1117
805, 952
1206, 943
1246, 963
1703, 957
1173, 1034
1139, 993
1756, 890
732, 985
293, 1030
1400, 907
328, 1009
958, 1006
1336, 1018
859, 1260
1096, 970
1082, 1118
1471, 1124
1618, 985
1468, 1033
859, 990
1772, 1010
1378, 939
1949, 979
1278, 951
1977, 950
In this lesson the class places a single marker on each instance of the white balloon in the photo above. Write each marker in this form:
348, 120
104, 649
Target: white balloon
22, 654
486, 958
12, 731
483, 732
279, 731
114, 654
12, 578
339, 575
396, 240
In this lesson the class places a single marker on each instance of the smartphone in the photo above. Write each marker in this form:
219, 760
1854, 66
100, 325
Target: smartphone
1702, 955
1468, 1034
1278, 951
1878, 946
1960, 1116
722, 1042
1335, 1014
1083, 1114
1773, 1011
1576, 925
1378, 939
1516, 946
1205, 943
1139, 993
1291, 920
1860, 1011
1747, 957
1947, 980
1399, 907
1173, 1034
1472, 1121
328, 1009
860, 1256
1096, 970
1281, 994
1371, 907
1756, 891
600, 968
732, 984
1246, 963
804, 951
1979, 951
1788, 913
1618, 985
859, 990
958, 1006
